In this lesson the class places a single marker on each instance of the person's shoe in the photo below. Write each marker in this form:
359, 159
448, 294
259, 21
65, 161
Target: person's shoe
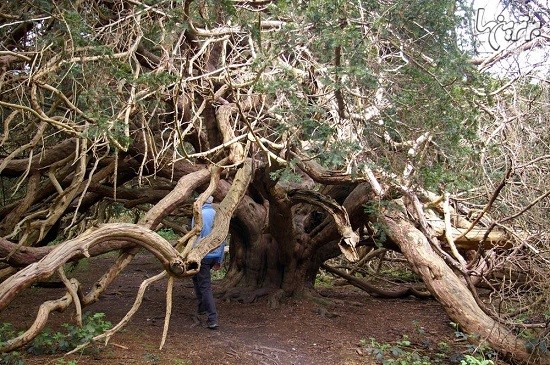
212, 326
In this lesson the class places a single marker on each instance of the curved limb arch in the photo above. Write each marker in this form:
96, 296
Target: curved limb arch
55, 260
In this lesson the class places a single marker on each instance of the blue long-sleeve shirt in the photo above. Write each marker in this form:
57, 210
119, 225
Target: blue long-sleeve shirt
208, 214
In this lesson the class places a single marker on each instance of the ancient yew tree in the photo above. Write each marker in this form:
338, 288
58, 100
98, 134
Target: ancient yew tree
323, 129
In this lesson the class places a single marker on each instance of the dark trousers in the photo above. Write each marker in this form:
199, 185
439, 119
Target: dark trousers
202, 282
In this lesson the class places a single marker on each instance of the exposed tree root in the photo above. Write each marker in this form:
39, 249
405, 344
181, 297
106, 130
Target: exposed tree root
169, 294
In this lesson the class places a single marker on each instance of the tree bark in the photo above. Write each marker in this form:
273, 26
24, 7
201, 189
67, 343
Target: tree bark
451, 292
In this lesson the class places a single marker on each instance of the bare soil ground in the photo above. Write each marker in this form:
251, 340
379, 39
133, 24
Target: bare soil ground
303, 332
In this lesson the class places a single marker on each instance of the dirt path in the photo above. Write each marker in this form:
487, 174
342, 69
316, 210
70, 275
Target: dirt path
299, 332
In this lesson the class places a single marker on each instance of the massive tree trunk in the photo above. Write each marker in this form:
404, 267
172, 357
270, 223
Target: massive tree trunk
276, 242
263, 263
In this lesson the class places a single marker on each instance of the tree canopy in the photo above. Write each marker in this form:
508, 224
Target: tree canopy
322, 128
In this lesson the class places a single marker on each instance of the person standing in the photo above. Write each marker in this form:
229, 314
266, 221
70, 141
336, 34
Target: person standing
202, 281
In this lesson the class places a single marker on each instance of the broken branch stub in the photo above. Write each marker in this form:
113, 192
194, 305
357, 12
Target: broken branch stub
350, 238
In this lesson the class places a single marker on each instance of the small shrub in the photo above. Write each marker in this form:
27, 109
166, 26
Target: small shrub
481, 350
65, 362
6, 332
323, 279
9, 358
151, 358
45, 343
50, 343
182, 362
397, 353
92, 325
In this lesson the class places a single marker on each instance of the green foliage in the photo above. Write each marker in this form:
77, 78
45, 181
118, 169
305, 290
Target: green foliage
12, 358
156, 80
405, 352
432, 96
471, 360
7, 332
93, 325
182, 362
168, 234
66, 362
220, 274
481, 350
77, 28
286, 174
323, 279
436, 176
151, 358
48, 342
399, 353
400, 274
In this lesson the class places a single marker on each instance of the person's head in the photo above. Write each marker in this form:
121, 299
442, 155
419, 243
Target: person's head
210, 199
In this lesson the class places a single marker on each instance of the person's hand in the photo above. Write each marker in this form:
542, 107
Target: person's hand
217, 266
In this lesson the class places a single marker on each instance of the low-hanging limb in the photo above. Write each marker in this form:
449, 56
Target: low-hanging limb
16, 167
53, 262
37, 228
190, 236
185, 186
158, 246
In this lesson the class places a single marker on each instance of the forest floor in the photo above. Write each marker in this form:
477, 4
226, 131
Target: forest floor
338, 329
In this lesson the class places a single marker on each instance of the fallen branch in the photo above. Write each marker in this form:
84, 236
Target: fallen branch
374, 290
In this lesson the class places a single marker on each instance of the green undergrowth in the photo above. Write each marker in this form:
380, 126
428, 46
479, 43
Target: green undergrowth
49, 342
405, 351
